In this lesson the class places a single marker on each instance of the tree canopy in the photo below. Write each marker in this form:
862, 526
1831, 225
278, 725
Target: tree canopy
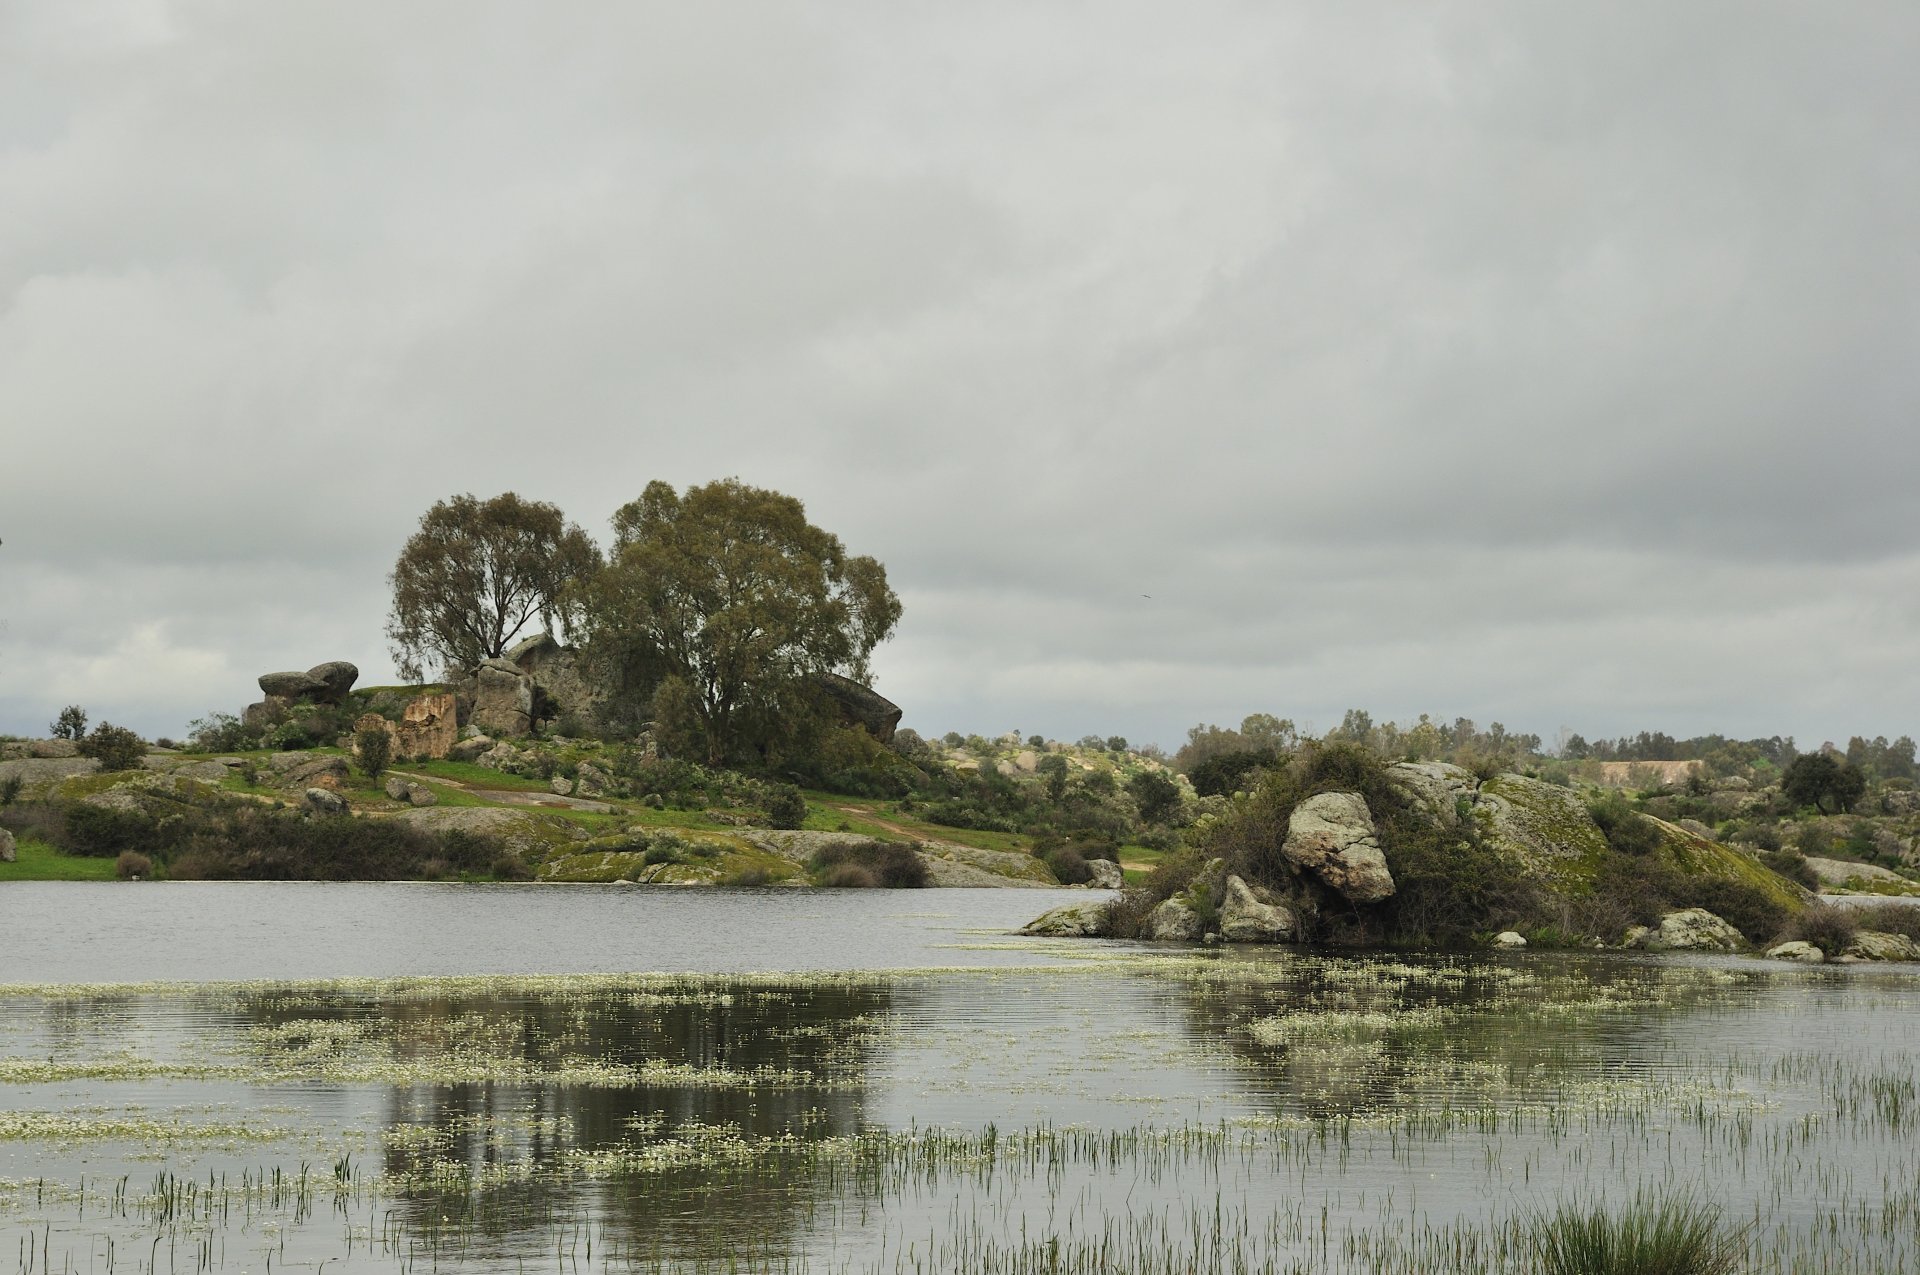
476, 573
725, 600
1814, 779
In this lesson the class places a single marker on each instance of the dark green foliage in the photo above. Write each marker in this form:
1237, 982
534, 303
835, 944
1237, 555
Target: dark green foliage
244, 840
1224, 774
1763, 837
10, 789
70, 724
1117, 743
1889, 918
786, 808
114, 747
719, 606
1827, 927
1626, 830
476, 573
1679, 1236
885, 864
1157, 796
1053, 773
374, 747
1821, 780
1067, 864
1747, 908
1792, 865
1449, 886
221, 733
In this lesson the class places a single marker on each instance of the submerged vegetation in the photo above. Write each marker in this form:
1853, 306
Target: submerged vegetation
1435, 1116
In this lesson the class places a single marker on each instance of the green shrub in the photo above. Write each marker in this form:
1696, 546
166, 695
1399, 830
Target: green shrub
1889, 918
1157, 796
1625, 829
221, 733
1747, 908
1224, 774
10, 789
1792, 865
786, 808
373, 747
1680, 1236
1068, 865
748, 877
70, 724
891, 866
114, 747
1827, 927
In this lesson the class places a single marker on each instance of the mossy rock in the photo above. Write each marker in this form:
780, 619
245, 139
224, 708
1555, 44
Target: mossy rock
1693, 855
1546, 827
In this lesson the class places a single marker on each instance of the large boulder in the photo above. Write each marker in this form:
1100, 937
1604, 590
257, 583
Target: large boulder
1107, 875
1246, 918
291, 686
1876, 945
1543, 826
470, 749
429, 727
1692, 930
502, 698
325, 801
863, 706
35, 771
1331, 835
1174, 922
1436, 787
265, 715
1798, 950
1509, 941
308, 770
336, 678
7, 850
1090, 919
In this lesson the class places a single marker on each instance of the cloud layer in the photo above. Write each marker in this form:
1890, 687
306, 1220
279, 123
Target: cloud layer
1503, 360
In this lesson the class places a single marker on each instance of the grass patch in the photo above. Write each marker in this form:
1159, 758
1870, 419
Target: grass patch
1681, 1236
38, 861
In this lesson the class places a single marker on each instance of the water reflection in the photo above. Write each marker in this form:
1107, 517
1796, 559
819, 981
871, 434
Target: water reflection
832, 1119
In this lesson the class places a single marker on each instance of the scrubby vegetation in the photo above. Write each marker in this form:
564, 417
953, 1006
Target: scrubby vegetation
867, 865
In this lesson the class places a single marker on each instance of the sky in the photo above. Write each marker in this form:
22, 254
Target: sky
1547, 364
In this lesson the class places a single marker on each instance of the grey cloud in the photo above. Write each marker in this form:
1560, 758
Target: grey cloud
1503, 360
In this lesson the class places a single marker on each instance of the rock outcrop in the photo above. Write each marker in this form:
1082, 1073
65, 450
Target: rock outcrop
1436, 787
1107, 875
1174, 922
8, 850
1509, 941
502, 699
1332, 836
325, 801
322, 684
308, 770
1689, 930
413, 794
428, 727
1876, 945
862, 706
1247, 918
1091, 919
1545, 827
1798, 950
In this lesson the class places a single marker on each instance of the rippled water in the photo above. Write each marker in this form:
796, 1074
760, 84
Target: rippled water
901, 1086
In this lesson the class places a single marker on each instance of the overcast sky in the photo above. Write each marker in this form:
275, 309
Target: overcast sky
1554, 364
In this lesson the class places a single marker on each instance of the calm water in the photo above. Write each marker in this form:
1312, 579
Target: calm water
779, 1080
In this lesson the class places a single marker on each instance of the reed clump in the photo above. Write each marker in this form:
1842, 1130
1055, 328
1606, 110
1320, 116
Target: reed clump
1678, 1235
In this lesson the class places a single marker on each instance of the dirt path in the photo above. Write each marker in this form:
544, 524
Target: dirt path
873, 818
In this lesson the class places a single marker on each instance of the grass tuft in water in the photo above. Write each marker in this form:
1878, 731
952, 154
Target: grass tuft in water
1675, 1236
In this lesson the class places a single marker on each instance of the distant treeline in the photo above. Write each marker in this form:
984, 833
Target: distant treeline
1464, 742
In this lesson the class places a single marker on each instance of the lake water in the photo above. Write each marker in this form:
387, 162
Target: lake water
504, 1078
